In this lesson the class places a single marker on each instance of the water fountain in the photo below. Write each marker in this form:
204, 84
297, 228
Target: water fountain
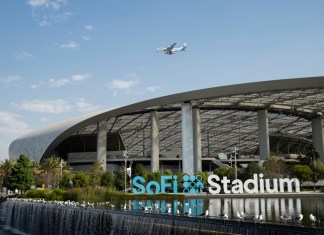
39, 218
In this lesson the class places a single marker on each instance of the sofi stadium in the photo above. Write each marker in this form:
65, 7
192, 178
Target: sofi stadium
191, 131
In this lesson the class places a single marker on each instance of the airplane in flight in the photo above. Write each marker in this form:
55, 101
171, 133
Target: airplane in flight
172, 49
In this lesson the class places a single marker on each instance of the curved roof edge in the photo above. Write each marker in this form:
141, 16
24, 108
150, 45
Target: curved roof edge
39, 143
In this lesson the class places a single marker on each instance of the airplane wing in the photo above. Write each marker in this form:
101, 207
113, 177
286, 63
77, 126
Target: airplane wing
169, 48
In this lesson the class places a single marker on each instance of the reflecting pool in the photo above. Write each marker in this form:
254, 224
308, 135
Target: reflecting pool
273, 210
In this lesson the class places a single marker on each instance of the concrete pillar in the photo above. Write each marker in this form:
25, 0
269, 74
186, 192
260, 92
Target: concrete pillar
102, 143
155, 142
187, 139
264, 145
317, 136
196, 139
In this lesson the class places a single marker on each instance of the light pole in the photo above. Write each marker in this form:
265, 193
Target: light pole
235, 162
125, 170
130, 175
314, 161
61, 166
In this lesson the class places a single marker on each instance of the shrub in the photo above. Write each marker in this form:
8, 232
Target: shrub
58, 195
107, 179
81, 179
38, 193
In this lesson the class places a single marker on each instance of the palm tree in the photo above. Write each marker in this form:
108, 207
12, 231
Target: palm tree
52, 169
5, 170
66, 168
38, 173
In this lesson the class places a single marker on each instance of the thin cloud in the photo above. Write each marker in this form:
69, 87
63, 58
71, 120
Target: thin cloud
36, 85
152, 88
80, 77
46, 12
44, 120
46, 20
52, 4
25, 55
38, 3
85, 107
122, 84
11, 127
62, 17
85, 38
55, 5
70, 45
44, 106
57, 106
10, 79
43, 23
58, 82
89, 27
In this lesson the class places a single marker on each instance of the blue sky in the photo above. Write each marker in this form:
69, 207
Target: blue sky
64, 58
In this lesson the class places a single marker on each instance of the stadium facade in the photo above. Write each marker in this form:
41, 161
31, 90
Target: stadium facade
191, 131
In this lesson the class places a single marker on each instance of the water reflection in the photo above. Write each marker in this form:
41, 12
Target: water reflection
270, 208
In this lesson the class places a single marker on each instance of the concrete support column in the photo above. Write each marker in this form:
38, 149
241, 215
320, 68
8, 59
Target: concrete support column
187, 138
102, 143
196, 139
317, 136
155, 142
264, 145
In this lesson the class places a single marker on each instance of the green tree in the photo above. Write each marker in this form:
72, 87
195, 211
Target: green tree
6, 167
156, 176
252, 168
66, 180
120, 181
139, 170
153, 176
204, 176
274, 167
302, 172
310, 156
224, 171
311, 159
50, 170
318, 171
107, 180
21, 176
167, 172
38, 173
96, 173
80, 179
180, 180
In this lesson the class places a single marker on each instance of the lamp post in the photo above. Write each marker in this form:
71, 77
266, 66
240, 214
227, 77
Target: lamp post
130, 175
314, 161
235, 163
125, 170
61, 166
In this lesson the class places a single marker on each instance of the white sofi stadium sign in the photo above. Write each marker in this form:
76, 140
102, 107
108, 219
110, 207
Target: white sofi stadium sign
255, 185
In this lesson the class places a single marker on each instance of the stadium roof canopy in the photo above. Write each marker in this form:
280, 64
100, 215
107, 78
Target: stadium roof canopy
228, 119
